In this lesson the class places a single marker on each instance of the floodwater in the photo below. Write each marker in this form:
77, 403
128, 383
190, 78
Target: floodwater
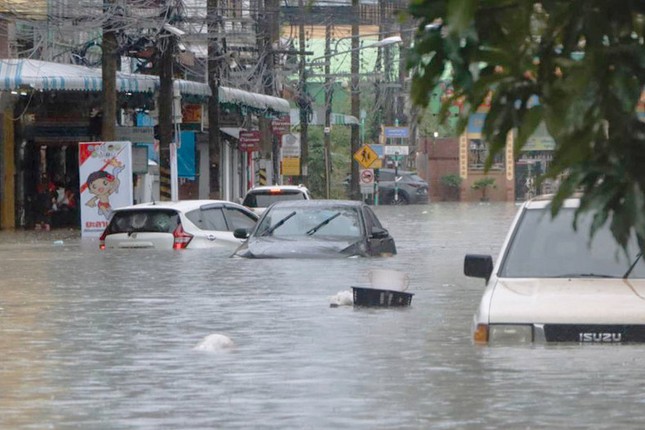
105, 340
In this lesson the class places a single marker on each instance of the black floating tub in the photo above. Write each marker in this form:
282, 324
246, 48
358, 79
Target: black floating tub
380, 298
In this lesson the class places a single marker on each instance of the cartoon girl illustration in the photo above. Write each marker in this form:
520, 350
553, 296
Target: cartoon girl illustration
102, 185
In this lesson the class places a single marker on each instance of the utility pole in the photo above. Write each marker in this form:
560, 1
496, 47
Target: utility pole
385, 29
303, 99
108, 70
270, 33
166, 49
214, 73
355, 100
328, 98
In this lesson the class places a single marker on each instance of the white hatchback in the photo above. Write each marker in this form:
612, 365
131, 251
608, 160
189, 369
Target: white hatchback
178, 225
261, 197
551, 283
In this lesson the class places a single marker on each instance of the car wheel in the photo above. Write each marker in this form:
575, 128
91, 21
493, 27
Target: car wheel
402, 199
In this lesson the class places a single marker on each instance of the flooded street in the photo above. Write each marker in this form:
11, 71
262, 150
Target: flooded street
104, 340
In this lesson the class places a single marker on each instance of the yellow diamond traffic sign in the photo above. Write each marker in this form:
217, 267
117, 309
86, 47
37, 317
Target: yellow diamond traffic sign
365, 156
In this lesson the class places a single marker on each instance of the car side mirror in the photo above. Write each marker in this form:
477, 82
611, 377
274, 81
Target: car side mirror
379, 233
241, 233
478, 266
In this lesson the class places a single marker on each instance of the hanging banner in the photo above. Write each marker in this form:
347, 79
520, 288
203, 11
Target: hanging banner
105, 171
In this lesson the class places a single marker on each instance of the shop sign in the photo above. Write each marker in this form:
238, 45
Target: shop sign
191, 114
135, 134
249, 140
396, 150
281, 125
290, 166
291, 145
396, 132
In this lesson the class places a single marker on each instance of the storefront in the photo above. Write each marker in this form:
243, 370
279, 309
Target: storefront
47, 108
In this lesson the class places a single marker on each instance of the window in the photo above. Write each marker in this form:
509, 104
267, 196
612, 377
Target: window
237, 218
545, 247
478, 153
263, 199
158, 221
371, 220
208, 219
385, 176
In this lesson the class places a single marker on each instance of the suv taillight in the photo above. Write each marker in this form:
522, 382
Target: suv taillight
102, 239
181, 238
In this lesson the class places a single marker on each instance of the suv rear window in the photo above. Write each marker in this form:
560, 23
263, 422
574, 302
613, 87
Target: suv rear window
263, 199
144, 220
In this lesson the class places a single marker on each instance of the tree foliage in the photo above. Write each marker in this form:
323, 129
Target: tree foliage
583, 61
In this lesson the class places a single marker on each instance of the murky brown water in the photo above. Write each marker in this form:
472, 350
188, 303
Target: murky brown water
104, 340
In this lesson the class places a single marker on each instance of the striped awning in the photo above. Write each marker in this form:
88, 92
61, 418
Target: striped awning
318, 118
254, 101
20, 73
16, 73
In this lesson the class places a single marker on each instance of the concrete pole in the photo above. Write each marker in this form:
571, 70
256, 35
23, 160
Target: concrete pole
328, 98
108, 70
355, 100
303, 100
214, 72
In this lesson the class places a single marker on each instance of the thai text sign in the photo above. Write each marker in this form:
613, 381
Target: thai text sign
281, 125
249, 140
105, 170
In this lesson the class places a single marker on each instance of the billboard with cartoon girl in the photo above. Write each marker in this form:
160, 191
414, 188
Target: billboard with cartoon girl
106, 182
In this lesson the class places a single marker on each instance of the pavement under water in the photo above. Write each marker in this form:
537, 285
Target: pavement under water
107, 340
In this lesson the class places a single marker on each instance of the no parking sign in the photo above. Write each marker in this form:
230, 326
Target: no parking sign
366, 176
366, 180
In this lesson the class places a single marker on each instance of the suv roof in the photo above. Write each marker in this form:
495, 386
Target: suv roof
182, 205
279, 187
261, 197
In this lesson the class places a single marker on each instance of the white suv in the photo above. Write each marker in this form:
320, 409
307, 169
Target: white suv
259, 198
551, 283
178, 225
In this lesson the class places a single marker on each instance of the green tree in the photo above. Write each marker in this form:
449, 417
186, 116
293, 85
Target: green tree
582, 60
482, 185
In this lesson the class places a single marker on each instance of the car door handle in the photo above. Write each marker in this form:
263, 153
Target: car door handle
211, 237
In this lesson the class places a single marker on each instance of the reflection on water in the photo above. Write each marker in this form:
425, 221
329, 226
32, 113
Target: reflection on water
95, 339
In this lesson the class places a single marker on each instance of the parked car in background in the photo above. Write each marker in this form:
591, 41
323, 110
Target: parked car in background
402, 188
410, 187
552, 284
178, 225
316, 229
259, 198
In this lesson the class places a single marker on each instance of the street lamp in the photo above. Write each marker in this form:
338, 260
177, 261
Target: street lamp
392, 40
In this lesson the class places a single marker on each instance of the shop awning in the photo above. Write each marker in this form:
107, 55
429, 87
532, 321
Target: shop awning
20, 73
17, 73
256, 102
318, 118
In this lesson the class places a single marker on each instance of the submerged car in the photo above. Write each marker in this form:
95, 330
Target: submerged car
398, 187
552, 283
261, 197
178, 225
401, 187
316, 229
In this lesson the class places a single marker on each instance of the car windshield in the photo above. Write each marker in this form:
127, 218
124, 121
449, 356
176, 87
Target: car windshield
263, 199
308, 222
543, 247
